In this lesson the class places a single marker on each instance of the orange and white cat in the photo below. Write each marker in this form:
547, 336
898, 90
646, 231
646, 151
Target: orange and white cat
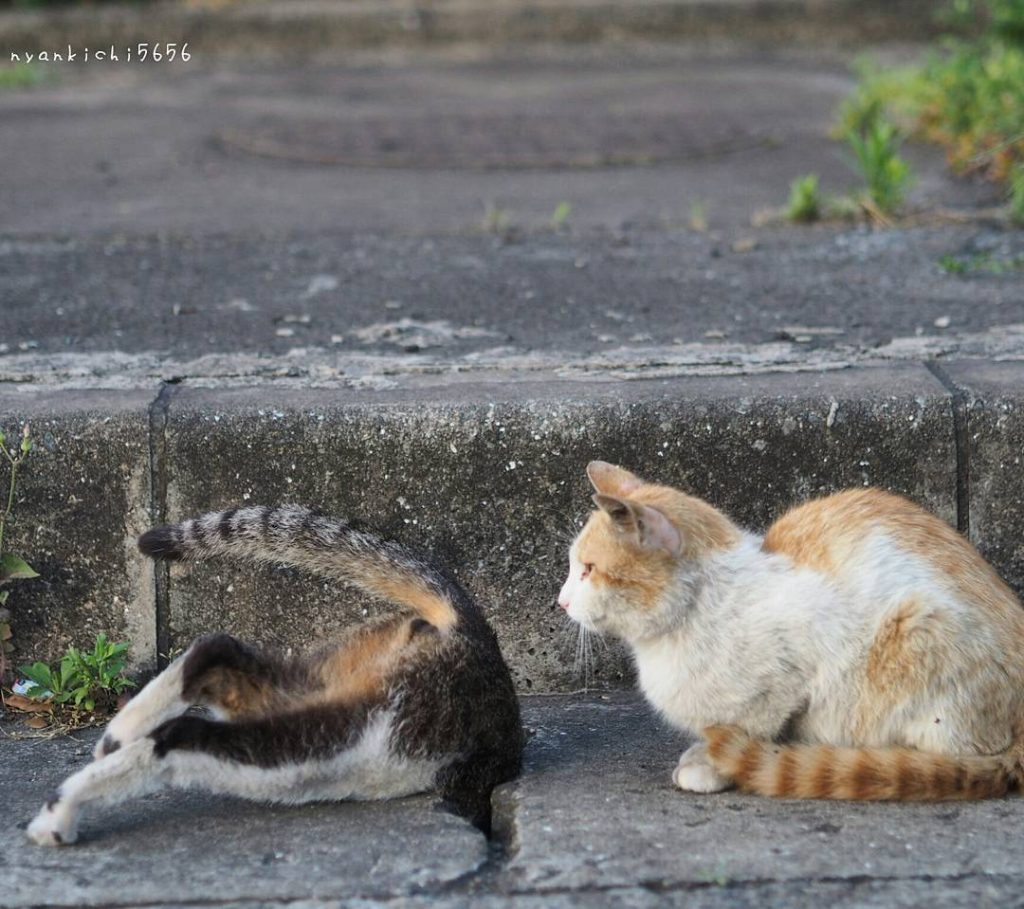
860, 649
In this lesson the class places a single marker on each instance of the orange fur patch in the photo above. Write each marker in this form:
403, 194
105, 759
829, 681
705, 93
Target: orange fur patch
618, 563
360, 668
825, 534
913, 646
907, 654
893, 659
702, 527
877, 774
238, 694
408, 591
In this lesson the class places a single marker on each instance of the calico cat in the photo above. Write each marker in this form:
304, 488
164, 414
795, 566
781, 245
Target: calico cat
860, 649
419, 701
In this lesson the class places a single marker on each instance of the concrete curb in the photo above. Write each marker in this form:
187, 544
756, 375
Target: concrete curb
311, 27
487, 474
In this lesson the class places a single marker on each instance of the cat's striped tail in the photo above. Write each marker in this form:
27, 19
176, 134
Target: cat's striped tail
870, 774
296, 536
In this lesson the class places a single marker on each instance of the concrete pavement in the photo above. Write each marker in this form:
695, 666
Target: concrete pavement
593, 821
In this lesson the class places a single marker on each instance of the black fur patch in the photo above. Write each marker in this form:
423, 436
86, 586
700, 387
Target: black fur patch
161, 543
108, 745
311, 734
421, 626
224, 527
222, 651
267, 521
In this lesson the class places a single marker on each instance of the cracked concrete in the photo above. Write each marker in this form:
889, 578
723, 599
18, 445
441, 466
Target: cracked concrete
593, 821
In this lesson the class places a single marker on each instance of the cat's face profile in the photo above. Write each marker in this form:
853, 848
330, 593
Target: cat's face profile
632, 554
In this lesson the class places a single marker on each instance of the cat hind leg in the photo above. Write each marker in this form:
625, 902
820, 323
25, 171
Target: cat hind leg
218, 671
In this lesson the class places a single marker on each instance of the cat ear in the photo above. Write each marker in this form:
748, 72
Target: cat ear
611, 480
645, 525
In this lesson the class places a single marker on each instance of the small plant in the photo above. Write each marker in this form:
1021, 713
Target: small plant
20, 75
83, 679
893, 94
876, 150
951, 265
12, 567
496, 220
967, 95
698, 217
561, 215
1017, 195
805, 202
982, 262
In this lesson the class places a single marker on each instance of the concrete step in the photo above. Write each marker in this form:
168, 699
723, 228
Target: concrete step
320, 27
106, 311
592, 821
484, 468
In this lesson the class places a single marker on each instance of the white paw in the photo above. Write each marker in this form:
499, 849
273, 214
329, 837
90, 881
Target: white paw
698, 776
53, 826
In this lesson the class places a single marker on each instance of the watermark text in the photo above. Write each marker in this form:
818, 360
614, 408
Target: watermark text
143, 52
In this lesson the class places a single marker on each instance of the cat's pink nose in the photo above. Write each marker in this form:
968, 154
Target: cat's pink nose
563, 602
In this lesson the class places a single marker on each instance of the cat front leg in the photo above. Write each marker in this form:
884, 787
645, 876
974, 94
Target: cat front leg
694, 772
130, 771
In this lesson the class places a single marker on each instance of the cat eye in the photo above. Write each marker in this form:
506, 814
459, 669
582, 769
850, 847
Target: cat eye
586, 571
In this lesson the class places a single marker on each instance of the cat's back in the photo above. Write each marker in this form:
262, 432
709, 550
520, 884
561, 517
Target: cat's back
876, 542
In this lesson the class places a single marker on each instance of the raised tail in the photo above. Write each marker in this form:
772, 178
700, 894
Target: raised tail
869, 774
297, 536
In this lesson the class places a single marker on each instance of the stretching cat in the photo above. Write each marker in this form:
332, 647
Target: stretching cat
404, 705
860, 629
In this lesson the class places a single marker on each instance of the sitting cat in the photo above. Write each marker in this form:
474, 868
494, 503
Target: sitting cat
415, 702
861, 631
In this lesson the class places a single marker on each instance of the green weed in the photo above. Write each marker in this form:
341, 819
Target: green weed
968, 96
83, 679
496, 220
877, 154
561, 215
805, 202
893, 94
1017, 195
983, 262
698, 219
20, 75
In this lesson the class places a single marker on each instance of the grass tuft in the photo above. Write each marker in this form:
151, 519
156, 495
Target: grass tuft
1016, 202
876, 152
20, 75
968, 96
805, 202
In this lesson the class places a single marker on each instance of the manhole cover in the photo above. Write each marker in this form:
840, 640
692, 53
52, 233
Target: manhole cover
484, 142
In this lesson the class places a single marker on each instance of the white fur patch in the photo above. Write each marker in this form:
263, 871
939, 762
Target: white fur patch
367, 770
